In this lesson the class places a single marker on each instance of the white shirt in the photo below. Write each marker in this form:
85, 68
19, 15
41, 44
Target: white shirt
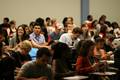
66, 38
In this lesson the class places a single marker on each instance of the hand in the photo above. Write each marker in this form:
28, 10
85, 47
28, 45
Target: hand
95, 66
24, 78
43, 78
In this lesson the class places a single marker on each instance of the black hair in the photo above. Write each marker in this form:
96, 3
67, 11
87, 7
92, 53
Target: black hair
12, 22
108, 23
40, 21
77, 30
99, 39
85, 47
47, 19
32, 23
24, 37
43, 51
64, 21
89, 17
7, 19
114, 25
60, 50
79, 46
35, 24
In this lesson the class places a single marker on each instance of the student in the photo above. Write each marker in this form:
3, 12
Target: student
71, 38
37, 38
18, 37
20, 53
38, 69
86, 63
7, 64
61, 65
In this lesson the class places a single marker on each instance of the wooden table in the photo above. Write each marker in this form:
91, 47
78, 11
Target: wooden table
104, 75
77, 77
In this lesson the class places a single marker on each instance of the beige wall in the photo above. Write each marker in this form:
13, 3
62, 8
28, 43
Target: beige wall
110, 8
24, 11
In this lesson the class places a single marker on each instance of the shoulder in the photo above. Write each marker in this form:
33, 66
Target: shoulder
81, 58
32, 34
28, 65
14, 53
49, 66
65, 34
7, 60
41, 35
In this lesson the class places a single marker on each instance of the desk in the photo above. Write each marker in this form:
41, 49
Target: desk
104, 75
75, 78
108, 61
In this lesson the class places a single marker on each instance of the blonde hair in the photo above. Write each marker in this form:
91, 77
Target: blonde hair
26, 45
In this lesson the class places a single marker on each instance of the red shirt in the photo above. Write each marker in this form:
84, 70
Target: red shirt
83, 65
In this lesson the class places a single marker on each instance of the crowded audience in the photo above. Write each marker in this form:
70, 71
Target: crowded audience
63, 49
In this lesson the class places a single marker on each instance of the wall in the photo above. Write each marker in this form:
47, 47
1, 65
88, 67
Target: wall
24, 11
108, 7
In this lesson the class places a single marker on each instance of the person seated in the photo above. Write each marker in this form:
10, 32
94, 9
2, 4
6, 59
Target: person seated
55, 35
99, 51
71, 38
7, 63
18, 37
20, 53
61, 65
37, 69
85, 62
37, 38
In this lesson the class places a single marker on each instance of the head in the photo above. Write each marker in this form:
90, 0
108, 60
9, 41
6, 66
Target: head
94, 23
59, 53
40, 21
87, 48
78, 46
84, 27
99, 42
6, 20
27, 29
64, 21
20, 30
115, 25
102, 19
103, 29
69, 27
37, 29
43, 55
48, 21
109, 39
21, 34
58, 27
67, 20
31, 25
89, 17
76, 32
116, 43
25, 47
13, 23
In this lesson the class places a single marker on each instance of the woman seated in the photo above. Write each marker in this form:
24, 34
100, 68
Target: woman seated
99, 51
85, 62
61, 65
